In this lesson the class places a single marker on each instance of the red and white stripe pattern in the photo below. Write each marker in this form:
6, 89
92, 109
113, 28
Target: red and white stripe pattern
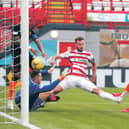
78, 61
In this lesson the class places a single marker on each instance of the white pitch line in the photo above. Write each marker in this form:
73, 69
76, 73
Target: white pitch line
83, 103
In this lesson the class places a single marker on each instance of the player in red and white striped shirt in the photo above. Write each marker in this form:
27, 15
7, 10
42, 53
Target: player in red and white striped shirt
77, 76
78, 61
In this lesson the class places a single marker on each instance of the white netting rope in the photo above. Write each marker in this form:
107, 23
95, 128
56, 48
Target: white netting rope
8, 22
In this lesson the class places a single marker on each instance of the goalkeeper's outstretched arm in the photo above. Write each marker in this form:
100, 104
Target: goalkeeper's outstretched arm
49, 71
43, 72
51, 86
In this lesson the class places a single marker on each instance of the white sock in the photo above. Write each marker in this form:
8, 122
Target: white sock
10, 104
123, 96
108, 96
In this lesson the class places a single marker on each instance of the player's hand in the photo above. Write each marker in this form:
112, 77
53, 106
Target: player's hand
64, 74
52, 62
92, 79
44, 55
50, 70
34, 51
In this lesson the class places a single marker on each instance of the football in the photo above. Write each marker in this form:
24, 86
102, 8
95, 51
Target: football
37, 63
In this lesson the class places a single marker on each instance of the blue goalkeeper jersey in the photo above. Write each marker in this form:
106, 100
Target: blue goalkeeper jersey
35, 89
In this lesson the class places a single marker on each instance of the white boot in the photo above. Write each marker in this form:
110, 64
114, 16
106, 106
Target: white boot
10, 105
122, 97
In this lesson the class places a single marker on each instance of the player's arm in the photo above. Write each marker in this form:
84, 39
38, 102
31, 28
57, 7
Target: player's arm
35, 52
49, 87
93, 62
63, 55
44, 72
39, 44
49, 71
52, 85
34, 37
93, 71
54, 58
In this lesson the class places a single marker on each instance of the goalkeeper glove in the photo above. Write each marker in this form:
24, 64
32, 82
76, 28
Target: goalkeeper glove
64, 74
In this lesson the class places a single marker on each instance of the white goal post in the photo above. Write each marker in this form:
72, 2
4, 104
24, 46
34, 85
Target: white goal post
24, 61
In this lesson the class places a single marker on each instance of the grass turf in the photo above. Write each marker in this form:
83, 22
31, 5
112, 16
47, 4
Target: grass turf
78, 109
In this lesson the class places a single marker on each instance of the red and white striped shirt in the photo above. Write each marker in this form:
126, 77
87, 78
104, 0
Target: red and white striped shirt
78, 61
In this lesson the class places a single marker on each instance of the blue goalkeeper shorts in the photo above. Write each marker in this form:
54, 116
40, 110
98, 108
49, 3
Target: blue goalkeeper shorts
32, 106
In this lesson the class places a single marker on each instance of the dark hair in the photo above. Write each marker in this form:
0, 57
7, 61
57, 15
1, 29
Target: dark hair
78, 38
16, 28
34, 73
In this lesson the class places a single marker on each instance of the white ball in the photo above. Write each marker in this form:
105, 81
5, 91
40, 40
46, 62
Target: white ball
54, 34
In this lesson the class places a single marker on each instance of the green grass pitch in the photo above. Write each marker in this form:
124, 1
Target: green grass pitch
78, 109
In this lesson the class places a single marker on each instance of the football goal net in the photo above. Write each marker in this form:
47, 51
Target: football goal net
14, 62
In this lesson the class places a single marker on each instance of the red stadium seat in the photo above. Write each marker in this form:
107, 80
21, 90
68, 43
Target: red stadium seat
7, 13
31, 11
37, 17
78, 15
0, 12
17, 15
32, 15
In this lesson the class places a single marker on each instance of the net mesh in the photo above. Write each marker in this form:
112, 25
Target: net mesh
9, 59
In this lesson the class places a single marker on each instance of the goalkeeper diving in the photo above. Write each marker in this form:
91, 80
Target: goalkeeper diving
38, 91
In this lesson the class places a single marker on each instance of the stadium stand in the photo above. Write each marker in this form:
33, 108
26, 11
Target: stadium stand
59, 11
43, 12
104, 5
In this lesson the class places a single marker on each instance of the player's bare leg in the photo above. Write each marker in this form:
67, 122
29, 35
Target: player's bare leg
47, 97
41, 100
44, 96
57, 89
